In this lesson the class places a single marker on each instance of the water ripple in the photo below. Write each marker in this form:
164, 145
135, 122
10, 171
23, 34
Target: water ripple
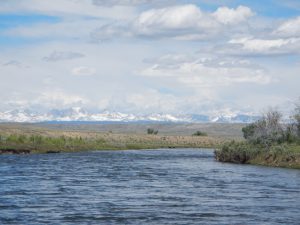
181, 186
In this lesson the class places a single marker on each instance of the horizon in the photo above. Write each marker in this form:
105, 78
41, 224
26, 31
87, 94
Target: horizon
142, 57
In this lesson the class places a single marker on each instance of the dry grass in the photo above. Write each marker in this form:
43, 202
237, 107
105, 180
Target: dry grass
104, 140
228, 131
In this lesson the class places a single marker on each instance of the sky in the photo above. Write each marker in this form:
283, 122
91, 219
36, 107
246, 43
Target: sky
150, 56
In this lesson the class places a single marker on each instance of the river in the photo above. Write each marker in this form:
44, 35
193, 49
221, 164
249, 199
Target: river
176, 186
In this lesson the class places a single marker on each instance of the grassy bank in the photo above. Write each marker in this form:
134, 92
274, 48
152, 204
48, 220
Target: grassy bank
65, 137
82, 141
283, 155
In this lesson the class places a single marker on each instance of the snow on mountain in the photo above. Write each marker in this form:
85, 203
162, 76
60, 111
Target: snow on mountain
79, 114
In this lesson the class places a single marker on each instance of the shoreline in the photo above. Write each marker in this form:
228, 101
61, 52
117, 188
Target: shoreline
284, 156
75, 142
29, 152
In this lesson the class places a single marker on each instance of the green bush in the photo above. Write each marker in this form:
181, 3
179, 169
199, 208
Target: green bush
236, 152
152, 131
199, 133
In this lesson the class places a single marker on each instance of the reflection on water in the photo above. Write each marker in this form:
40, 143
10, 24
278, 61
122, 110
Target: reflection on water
181, 186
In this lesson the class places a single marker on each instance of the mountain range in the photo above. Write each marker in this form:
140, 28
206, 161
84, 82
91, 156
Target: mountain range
82, 115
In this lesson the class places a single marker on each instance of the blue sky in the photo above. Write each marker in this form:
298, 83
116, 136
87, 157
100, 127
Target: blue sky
150, 56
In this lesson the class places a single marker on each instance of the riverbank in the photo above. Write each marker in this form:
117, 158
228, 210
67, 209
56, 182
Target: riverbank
285, 155
78, 141
19, 138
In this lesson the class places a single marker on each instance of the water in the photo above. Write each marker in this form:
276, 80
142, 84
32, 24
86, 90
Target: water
144, 187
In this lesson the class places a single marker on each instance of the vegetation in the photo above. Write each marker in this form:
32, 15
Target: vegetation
56, 141
199, 133
218, 130
297, 119
39, 143
267, 142
152, 131
265, 131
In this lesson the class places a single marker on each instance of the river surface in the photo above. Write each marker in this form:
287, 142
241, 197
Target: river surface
183, 186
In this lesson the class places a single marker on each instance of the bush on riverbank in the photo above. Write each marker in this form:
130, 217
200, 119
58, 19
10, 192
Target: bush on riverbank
267, 142
284, 155
236, 152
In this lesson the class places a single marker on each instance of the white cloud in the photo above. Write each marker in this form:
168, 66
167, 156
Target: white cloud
289, 28
211, 70
181, 22
158, 103
174, 21
110, 31
170, 59
59, 55
227, 15
176, 17
210, 73
282, 39
83, 71
59, 98
45, 100
12, 63
266, 46
189, 22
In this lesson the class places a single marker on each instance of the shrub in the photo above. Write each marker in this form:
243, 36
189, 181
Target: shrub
199, 133
236, 152
248, 131
290, 134
297, 118
152, 131
266, 131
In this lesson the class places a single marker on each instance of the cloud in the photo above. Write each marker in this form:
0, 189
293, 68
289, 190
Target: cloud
278, 39
110, 31
65, 8
158, 103
209, 72
58, 56
46, 100
129, 2
250, 45
209, 68
12, 63
58, 98
226, 15
173, 21
83, 71
181, 22
15, 63
170, 59
289, 28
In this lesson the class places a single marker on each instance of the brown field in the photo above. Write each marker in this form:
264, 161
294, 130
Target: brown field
122, 136
225, 130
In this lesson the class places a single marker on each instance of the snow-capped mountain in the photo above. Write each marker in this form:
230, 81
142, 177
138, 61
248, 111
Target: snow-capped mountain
79, 114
